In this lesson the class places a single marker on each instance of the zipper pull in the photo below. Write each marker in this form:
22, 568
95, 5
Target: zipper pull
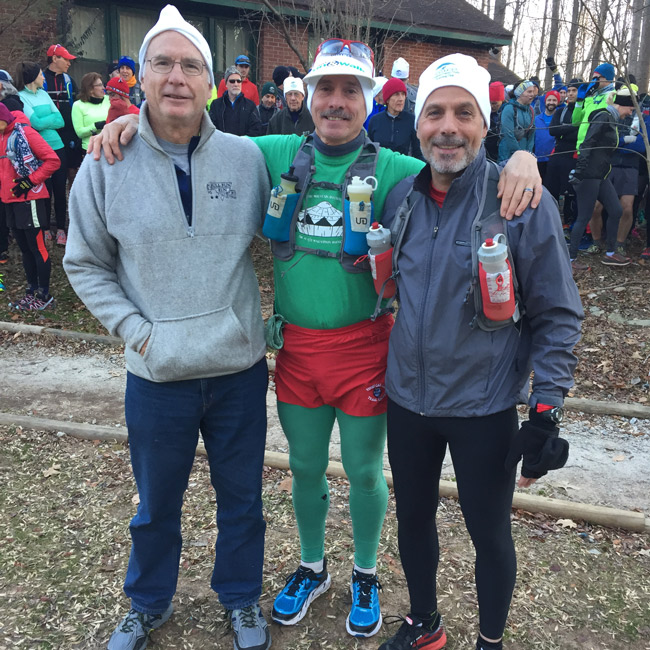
190, 231
435, 232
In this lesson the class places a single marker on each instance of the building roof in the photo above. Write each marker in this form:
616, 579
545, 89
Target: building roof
500, 72
442, 19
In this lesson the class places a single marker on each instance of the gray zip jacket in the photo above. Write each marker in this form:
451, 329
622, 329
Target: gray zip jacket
438, 364
146, 273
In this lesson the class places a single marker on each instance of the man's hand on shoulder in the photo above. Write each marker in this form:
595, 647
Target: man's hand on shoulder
119, 132
519, 185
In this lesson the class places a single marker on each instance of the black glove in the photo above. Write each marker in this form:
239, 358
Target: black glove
550, 62
573, 179
100, 125
22, 187
539, 443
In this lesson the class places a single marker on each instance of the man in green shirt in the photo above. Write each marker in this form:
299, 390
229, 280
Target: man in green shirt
332, 362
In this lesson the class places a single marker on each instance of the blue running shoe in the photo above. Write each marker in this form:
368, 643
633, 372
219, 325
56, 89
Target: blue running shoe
364, 619
301, 588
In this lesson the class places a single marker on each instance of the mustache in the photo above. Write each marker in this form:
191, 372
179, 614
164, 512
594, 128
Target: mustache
336, 112
448, 141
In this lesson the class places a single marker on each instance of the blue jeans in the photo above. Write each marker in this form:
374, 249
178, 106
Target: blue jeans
164, 420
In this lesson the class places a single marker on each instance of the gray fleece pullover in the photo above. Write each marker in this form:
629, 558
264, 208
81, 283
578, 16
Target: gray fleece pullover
146, 273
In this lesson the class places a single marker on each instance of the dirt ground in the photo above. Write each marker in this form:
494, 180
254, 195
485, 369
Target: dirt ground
83, 382
64, 543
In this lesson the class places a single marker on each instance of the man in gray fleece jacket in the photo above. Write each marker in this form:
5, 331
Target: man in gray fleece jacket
175, 280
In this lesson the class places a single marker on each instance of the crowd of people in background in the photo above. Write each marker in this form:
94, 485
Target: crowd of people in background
590, 151
589, 147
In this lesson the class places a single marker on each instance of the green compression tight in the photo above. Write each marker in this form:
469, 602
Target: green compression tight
362, 446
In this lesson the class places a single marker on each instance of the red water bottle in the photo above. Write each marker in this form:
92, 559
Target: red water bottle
495, 274
380, 252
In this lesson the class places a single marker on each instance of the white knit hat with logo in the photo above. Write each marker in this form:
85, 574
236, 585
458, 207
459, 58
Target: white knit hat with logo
401, 68
171, 20
456, 70
342, 63
293, 83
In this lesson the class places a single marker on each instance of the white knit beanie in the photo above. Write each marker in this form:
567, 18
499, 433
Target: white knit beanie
170, 20
456, 70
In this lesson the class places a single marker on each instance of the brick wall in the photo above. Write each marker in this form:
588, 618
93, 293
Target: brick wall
419, 55
273, 50
26, 33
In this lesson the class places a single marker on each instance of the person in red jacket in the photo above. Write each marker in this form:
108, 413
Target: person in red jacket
248, 88
26, 161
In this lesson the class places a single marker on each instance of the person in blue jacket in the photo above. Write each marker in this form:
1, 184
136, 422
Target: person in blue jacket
544, 141
517, 122
394, 128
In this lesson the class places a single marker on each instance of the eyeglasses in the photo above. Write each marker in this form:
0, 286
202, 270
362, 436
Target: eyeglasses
99, 84
335, 46
234, 81
164, 65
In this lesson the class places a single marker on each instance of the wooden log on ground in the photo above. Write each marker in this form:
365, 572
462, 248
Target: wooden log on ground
600, 515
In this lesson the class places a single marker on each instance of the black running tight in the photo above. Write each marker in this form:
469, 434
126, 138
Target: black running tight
36, 260
478, 447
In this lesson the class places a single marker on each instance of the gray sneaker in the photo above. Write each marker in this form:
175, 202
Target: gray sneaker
132, 632
250, 629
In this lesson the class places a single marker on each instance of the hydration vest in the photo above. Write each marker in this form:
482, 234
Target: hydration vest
304, 168
487, 223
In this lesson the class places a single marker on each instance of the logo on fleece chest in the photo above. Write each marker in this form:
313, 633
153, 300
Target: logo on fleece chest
221, 191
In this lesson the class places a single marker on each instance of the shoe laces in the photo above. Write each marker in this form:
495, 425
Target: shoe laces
365, 584
248, 616
131, 621
298, 578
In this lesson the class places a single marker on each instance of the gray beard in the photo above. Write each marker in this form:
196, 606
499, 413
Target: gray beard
442, 167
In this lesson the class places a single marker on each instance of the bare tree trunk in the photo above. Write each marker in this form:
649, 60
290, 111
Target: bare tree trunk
542, 40
500, 11
635, 35
552, 40
637, 19
598, 40
643, 71
515, 29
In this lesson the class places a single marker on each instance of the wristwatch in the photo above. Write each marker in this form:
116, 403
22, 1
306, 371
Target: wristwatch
553, 414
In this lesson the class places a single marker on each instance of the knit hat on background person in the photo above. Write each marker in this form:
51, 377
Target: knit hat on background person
605, 70
379, 82
524, 85
118, 86
342, 63
127, 61
295, 72
111, 68
5, 76
280, 73
59, 50
30, 71
574, 83
392, 86
555, 94
291, 83
623, 97
456, 70
535, 81
509, 90
497, 92
242, 59
269, 88
230, 70
401, 68
171, 20
5, 114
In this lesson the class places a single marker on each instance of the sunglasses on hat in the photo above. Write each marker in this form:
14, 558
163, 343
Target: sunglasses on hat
335, 46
